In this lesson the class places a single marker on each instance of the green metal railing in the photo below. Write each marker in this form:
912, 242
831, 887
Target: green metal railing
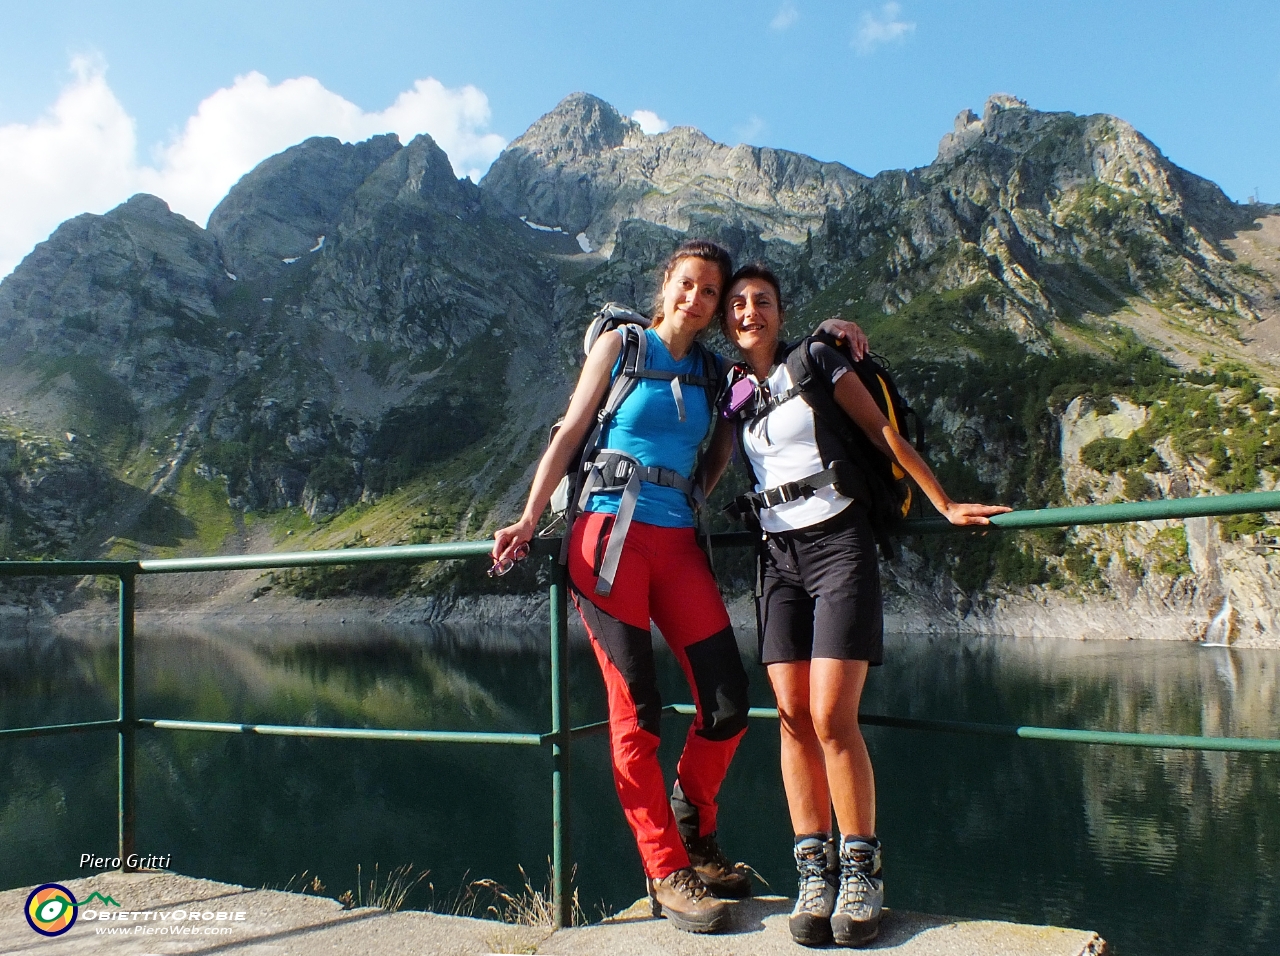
559, 737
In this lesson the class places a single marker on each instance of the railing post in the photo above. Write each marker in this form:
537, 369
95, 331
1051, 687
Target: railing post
561, 847
127, 723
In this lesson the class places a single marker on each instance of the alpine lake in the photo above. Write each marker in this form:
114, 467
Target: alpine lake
1159, 851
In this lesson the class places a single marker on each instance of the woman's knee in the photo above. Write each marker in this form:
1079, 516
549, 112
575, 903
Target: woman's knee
795, 717
835, 727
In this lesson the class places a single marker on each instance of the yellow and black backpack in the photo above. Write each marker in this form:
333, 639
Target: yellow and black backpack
865, 474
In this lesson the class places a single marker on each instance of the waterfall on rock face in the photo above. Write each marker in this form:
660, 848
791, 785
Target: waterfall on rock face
1219, 631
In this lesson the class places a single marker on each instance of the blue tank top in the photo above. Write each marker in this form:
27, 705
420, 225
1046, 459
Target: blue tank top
648, 428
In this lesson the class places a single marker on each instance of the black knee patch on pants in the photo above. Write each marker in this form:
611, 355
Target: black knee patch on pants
630, 649
721, 683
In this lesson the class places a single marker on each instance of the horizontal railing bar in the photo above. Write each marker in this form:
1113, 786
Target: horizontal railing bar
304, 559
14, 569
1204, 506
587, 730
1110, 738
1154, 741
54, 729
350, 733
755, 713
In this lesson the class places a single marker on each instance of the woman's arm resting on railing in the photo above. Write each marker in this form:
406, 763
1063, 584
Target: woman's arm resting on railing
857, 402
587, 395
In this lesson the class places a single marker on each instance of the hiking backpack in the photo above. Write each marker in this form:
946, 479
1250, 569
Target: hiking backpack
865, 474
593, 469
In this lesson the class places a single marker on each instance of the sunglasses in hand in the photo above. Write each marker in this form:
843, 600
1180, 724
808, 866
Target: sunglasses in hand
502, 565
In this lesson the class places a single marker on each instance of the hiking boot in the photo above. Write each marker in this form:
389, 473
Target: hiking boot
819, 868
730, 881
683, 899
856, 919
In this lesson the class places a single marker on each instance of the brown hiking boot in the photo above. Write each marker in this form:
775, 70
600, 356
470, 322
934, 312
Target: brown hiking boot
730, 881
683, 899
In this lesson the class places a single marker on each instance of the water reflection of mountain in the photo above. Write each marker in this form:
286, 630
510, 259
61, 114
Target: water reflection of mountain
1137, 844
1122, 827
1131, 686
259, 810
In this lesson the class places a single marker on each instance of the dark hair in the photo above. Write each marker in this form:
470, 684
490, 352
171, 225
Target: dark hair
696, 249
752, 270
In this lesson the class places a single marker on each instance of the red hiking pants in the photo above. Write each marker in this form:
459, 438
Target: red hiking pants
664, 577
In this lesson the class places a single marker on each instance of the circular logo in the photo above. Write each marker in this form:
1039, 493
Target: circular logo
51, 909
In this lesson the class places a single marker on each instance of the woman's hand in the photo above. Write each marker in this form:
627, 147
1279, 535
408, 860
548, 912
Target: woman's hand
851, 332
507, 540
962, 513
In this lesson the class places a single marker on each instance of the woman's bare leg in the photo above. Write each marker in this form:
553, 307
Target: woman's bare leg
835, 690
804, 773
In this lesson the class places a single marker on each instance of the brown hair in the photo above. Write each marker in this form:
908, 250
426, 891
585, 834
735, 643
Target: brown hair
696, 249
752, 270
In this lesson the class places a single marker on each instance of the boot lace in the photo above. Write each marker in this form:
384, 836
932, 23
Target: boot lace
688, 882
813, 878
856, 883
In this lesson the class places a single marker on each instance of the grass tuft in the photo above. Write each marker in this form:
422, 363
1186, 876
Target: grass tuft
527, 906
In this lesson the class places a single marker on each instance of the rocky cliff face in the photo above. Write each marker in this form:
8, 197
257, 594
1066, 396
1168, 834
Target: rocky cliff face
364, 339
282, 210
585, 169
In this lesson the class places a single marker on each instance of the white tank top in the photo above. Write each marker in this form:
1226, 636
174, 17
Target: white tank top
783, 446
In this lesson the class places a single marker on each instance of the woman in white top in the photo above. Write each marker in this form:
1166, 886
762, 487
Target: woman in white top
819, 613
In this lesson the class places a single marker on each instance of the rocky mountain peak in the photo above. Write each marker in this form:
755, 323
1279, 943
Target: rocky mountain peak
279, 210
969, 127
584, 168
143, 206
416, 175
998, 103
580, 125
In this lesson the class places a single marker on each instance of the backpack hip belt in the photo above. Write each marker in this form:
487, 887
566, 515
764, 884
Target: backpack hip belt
838, 474
613, 470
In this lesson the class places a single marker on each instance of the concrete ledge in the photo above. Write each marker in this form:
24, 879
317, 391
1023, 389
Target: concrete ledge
155, 910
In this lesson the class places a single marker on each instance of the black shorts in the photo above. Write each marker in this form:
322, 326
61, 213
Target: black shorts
822, 593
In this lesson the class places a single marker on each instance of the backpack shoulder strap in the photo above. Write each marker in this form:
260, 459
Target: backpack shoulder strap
632, 358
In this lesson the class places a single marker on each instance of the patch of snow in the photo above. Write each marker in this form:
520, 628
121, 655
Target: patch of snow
539, 226
268, 299
318, 246
290, 261
230, 275
583, 242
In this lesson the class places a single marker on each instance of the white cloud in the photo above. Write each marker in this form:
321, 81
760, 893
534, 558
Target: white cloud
650, 122
751, 129
785, 17
82, 156
79, 156
885, 27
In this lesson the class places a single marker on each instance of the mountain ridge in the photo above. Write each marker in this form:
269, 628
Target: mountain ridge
360, 333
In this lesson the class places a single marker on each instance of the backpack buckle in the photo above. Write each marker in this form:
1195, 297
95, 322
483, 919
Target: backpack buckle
782, 494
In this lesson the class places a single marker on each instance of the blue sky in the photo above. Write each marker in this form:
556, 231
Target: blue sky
146, 95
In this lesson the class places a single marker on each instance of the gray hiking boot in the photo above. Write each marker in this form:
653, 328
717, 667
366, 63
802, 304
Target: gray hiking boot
683, 899
856, 919
819, 868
